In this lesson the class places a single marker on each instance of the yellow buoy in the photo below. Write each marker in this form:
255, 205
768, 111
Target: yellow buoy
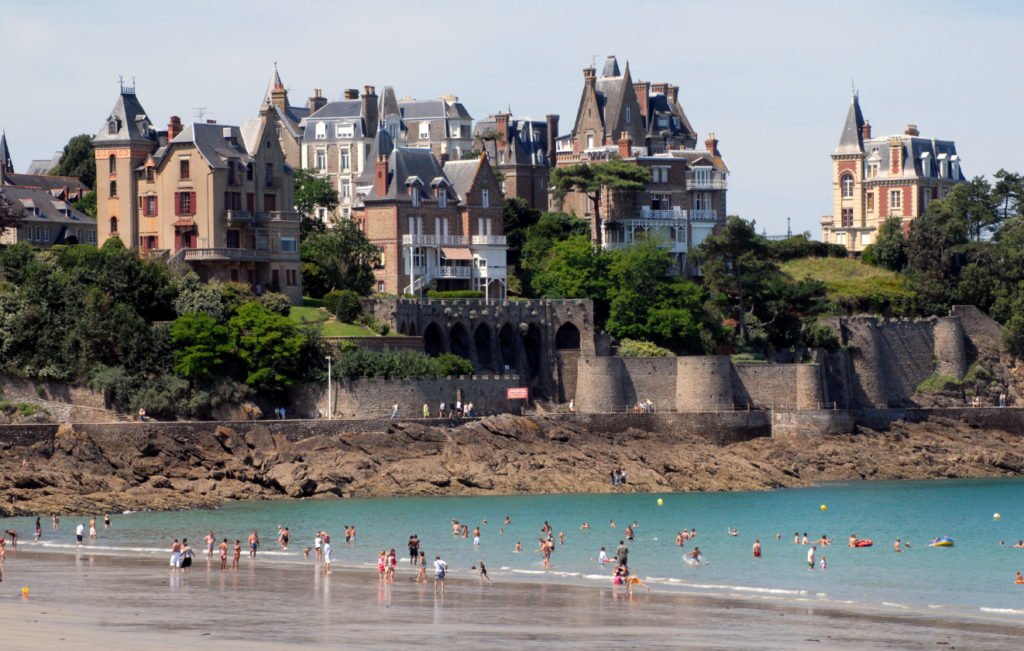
824, 508
660, 501
24, 593
995, 517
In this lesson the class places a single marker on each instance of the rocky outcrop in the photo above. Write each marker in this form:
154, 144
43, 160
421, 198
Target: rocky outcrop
160, 468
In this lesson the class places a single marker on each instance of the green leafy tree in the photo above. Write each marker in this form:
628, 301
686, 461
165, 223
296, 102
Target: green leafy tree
87, 204
78, 160
636, 348
339, 258
890, 249
202, 346
593, 178
1008, 192
268, 346
733, 259
10, 215
573, 269
312, 192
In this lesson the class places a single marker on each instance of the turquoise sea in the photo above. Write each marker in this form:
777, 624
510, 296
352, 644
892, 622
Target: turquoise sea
975, 577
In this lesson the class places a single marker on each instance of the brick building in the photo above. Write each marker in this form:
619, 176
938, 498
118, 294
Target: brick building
874, 179
434, 231
644, 123
522, 151
214, 196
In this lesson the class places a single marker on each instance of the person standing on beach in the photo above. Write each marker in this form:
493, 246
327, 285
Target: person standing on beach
810, 557
423, 568
440, 569
317, 541
622, 553
210, 541
106, 521
414, 546
238, 554
757, 549
254, 544
394, 411
186, 554
476, 536
39, 529
426, 410
175, 555
79, 532
327, 555
56, 521
224, 555
483, 573
92, 529
602, 557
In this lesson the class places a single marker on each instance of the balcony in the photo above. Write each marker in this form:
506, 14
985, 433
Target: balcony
279, 216
646, 212
710, 182
224, 254
488, 240
239, 216
453, 272
435, 240
702, 215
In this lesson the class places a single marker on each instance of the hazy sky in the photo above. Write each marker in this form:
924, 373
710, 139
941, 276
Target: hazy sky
772, 80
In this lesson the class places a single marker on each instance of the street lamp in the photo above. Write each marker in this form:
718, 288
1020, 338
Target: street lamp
330, 396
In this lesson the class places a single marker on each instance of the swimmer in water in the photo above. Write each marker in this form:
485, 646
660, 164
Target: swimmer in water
519, 546
757, 549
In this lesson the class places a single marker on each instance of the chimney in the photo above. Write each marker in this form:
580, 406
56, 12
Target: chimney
625, 146
211, 122
369, 111
552, 138
673, 93
659, 88
711, 144
351, 93
912, 130
895, 155
174, 128
589, 77
643, 90
501, 126
317, 101
865, 131
381, 178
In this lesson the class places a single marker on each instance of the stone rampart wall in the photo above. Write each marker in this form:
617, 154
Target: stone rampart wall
815, 423
765, 385
649, 378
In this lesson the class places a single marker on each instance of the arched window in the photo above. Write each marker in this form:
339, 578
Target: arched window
113, 167
113, 188
113, 224
847, 185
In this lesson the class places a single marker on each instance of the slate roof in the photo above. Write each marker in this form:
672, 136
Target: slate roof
611, 67
528, 138
130, 120
461, 174
913, 148
659, 104
52, 212
404, 165
44, 166
69, 186
388, 103
382, 144
345, 108
212, 144
851, 141
5, 154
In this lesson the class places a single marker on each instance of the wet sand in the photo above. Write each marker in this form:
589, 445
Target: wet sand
127, 601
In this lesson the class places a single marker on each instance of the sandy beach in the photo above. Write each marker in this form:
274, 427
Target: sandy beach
132, 602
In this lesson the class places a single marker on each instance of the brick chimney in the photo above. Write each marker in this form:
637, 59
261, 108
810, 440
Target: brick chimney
673, 93
589, 77
351, 93
643, 90
625, 146
381, 178
895, 155
659, 88
711, 144
369, 110
501, 126
317, 101
552, 138
911, 130
174, 128
865, 131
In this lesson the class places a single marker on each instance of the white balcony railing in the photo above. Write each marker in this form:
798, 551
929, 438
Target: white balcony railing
279, 216
671, 213
223, 253
452, 272
702, 215
712, 182
488, 240
435, 240
239, 216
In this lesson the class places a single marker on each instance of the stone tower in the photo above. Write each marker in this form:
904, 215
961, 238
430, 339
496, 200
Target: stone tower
125, 140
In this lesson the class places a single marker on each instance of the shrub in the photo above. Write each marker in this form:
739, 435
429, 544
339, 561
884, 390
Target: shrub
372, 323
312, 302
749, 358
637, 348
330, 301
5, 405
347, 308
449, 364
277, 303
935, 383
462, 293
26, 409
41, 390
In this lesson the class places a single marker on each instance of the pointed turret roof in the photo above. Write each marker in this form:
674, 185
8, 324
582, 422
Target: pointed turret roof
275, 84
127, 122
611, 67
852, 139
389, 103
6, 164
382, 145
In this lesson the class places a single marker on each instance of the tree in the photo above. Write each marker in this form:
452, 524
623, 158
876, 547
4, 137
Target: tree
573, 269
202, 345
593, 178
890, 249
968, 212
339, 258
312, 192
268, 346
518, 216
78, 160
87, 204
732, 258
10, 215
1008, 193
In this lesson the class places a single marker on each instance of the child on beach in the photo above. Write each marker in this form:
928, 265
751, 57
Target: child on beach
423, 568
483, 573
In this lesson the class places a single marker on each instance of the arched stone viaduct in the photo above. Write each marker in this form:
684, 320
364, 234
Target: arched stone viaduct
541, 340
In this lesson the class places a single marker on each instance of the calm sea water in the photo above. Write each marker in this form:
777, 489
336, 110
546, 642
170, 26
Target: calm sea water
976, 576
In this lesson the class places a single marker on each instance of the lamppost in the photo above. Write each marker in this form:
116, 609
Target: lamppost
330, 396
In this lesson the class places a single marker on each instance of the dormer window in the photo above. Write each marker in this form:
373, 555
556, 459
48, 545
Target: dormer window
183, 169
424, 130
415, 196
150, 173
442, 197
955, 172
321, 130
628, 113
112, 126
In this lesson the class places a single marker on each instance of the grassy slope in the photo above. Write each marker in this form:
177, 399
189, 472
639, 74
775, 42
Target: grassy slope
848, 279
331, 327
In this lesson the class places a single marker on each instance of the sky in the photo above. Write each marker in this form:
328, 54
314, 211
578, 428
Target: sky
772, 80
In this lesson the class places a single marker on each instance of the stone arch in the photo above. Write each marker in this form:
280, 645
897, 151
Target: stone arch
411, 329
482, 344
567, 337
532, 347
433, 340
458, 341
507, 347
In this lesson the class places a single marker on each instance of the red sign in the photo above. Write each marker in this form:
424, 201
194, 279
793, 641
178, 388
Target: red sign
517, 393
